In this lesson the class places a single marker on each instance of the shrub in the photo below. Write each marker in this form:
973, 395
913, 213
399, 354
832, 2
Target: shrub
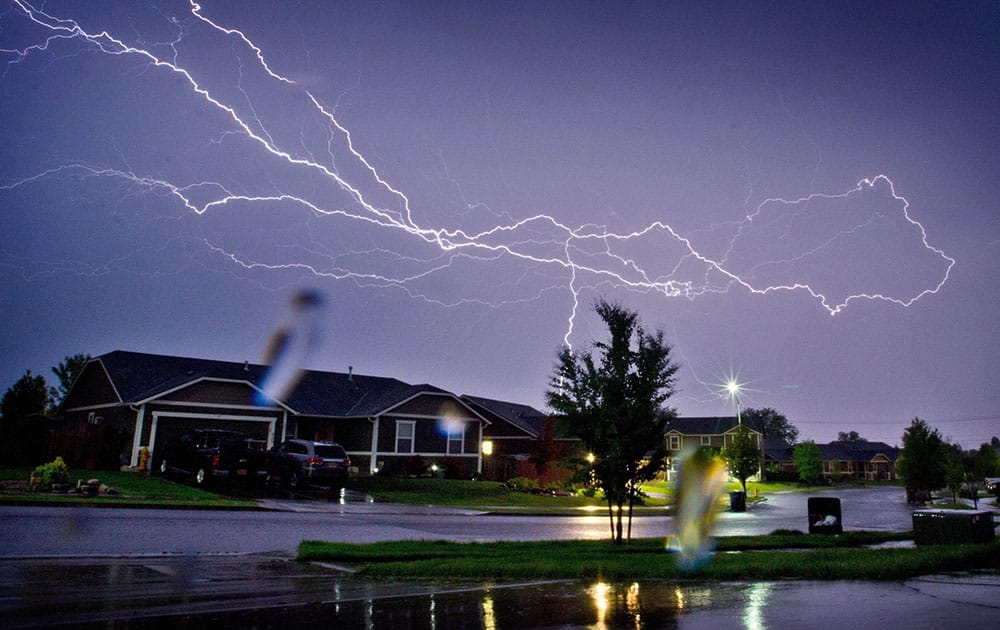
55, 471
522, 484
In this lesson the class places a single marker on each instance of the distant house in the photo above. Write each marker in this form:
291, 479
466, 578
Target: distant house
696, 432
124, 402
869, 461
521, 441
778, 458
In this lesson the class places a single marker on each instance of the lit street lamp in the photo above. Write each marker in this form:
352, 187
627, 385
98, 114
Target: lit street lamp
733, 389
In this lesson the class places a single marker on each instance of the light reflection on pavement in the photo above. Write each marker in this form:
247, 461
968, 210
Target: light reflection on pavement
269, 590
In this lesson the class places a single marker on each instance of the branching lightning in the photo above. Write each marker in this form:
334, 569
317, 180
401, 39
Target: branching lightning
576, 257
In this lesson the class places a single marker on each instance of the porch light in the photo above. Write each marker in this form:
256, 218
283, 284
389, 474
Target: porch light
590, 458
487, 447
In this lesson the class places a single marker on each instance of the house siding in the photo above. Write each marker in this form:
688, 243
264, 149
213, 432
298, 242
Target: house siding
92, 388
430, 445
100, 441
214, 392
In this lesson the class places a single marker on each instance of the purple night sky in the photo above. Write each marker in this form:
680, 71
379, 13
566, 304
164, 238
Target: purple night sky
802, 196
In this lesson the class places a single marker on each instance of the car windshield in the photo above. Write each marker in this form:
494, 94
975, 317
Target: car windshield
330, 451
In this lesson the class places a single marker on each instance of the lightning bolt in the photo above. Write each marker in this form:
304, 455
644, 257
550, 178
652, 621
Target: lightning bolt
348, 187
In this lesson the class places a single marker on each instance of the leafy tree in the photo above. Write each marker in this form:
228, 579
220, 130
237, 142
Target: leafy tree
921, 464
991, 459
742, 456
67, 372
613, 402
954, 470
850, 436
23, 439
808, 462
771, 423
977, 465
27, 396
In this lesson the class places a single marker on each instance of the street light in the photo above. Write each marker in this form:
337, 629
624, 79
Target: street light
733, 389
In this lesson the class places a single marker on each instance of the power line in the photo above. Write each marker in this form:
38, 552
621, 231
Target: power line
902, 422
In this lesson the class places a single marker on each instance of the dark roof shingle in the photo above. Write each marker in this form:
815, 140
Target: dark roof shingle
139, 376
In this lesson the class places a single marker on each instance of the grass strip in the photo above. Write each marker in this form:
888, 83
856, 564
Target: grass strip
460, 493
134, 488
816, 558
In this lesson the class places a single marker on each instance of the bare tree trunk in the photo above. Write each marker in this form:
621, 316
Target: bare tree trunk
631, 501
611, 519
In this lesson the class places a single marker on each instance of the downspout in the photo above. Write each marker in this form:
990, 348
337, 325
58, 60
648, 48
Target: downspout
479, 452
373, 459
137, 437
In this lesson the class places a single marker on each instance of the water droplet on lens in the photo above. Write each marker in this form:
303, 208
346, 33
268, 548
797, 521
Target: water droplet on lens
292, 345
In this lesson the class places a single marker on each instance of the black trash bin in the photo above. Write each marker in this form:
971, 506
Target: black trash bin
738, 501
824, 515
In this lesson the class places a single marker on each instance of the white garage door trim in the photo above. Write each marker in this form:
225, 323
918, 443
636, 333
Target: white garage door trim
271, 422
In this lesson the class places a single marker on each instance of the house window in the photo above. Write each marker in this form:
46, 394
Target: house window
456, 441
706, 440
674, 442
404, 436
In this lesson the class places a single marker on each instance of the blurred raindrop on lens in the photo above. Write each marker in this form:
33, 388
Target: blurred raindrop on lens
74, 524
292, 345
700, 479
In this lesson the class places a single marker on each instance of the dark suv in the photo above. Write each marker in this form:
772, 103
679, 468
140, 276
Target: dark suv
300, 463
204, 454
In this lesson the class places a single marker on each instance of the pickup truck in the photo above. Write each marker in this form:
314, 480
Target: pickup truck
205, 455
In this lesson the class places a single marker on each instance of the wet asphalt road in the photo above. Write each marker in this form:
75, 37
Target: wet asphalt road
225, 569
97, 531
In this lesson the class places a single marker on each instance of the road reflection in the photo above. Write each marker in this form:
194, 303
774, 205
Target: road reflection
269, 591
564, 605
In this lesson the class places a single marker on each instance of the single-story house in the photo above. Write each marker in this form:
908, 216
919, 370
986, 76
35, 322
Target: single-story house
871, 461
778, 458
124, 402
521, 441
696, 432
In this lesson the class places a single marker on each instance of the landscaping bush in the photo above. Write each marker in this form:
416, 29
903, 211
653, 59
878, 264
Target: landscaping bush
55, 472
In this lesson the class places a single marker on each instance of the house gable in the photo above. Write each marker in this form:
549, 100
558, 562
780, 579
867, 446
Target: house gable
92, 388
214, 392
511, 420
436, 406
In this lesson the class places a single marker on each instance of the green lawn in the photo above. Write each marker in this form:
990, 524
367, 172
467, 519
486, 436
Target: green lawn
141, 488
458, 493
133, 488
817, 557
